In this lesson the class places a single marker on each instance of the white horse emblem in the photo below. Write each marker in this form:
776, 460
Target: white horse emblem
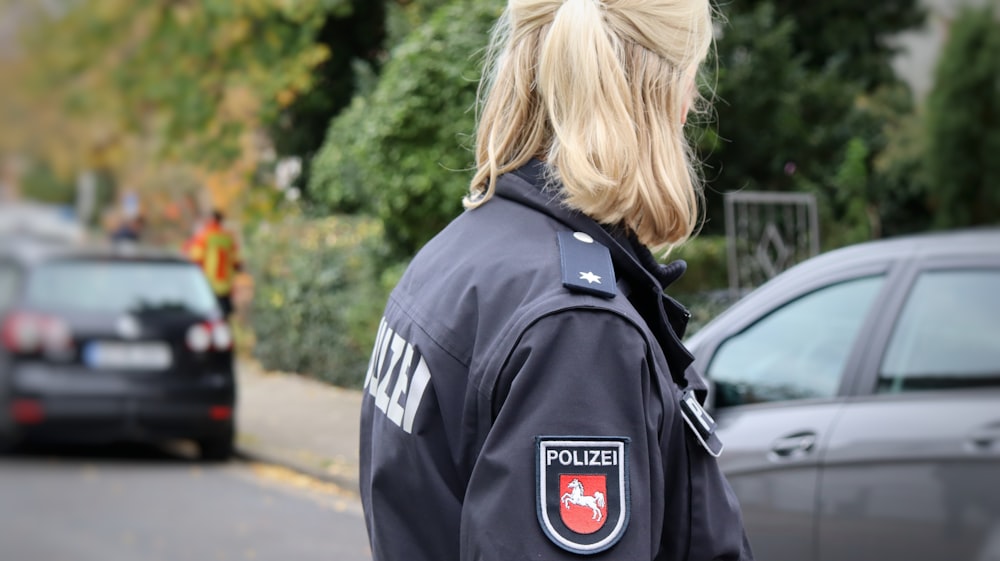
576, 497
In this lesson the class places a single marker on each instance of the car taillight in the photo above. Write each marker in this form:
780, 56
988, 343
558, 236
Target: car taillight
215, 335
220, 412
29, 333
22, 333
27, 411
199, 338
222, 336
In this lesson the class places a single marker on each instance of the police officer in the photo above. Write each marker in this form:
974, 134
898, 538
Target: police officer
528, 396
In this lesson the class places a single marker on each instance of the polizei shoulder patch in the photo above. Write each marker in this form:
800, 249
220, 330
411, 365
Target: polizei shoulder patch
582, 493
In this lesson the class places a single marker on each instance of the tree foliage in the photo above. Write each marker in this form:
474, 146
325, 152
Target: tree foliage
854, 37
794, 104
778, 125
192, 75
40, 184
793, 108
775, 119
355, 46
212, 91
894, 193
404, 16
403, 152
963, 123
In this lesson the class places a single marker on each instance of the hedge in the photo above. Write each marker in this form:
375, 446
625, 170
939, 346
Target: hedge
319, 295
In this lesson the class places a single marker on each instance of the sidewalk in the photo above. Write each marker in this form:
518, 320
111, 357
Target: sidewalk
298, 423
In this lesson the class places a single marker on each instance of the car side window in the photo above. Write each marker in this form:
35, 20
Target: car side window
798, 351
948, 335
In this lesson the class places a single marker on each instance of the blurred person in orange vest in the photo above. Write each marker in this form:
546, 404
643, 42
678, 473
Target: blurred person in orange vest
214, 248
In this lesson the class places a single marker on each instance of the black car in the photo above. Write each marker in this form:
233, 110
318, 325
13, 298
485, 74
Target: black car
858, 396
109, 343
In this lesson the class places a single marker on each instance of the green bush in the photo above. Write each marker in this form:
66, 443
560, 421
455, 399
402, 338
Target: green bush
707, 265
404, 152
318, 296
703, 289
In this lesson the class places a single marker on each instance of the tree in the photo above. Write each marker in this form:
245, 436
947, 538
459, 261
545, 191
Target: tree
853, 36
963, 123
403, 152
777, 125
895, 192
404, 16
788, 108
355, 44
798, 98
193, 75
142, 88
40, 184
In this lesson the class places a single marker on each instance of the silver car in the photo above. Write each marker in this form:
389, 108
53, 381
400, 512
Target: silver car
858, 396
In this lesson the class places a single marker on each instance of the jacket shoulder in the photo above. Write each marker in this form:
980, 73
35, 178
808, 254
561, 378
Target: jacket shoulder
495, 269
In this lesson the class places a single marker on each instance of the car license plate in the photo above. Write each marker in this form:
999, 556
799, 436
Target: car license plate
131, 356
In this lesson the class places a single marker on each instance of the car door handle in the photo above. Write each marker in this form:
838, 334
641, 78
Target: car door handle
794, 445
985, 437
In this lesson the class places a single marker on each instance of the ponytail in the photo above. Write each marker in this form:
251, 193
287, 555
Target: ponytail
597, 88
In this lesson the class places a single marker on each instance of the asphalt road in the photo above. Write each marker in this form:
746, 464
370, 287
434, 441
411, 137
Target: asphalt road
139, 503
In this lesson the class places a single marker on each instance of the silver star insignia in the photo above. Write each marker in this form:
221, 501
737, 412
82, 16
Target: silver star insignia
590, 277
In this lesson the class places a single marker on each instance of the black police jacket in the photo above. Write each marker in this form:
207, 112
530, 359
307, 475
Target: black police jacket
523, 399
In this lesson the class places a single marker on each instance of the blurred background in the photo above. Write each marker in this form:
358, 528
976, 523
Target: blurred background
335, 136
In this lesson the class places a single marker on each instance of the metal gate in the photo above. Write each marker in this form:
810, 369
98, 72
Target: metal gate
767, 233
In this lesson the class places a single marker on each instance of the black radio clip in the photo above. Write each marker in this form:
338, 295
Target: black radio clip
701, 423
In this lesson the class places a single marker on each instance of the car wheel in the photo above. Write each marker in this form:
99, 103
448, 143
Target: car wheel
216, 449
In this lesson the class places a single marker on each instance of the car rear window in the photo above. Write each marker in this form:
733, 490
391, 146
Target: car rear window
119, 286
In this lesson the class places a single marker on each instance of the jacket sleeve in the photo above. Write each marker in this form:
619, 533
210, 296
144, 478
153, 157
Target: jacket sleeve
577, 373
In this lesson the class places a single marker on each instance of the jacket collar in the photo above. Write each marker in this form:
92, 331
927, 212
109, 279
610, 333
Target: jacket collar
531, 186
536, 190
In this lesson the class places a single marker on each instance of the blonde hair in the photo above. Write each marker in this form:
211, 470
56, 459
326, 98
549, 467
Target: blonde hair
598, 89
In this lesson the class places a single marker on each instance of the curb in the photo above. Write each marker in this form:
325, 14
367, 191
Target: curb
346, 484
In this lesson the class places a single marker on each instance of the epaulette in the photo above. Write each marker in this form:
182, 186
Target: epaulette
586, 265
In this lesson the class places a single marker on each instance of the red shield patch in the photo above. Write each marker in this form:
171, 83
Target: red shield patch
583, 491
585, 503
